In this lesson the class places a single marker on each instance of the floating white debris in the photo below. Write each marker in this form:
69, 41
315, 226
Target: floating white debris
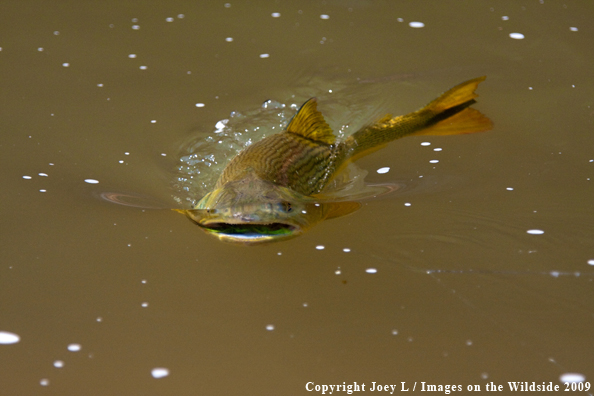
74, 347
485, 376
320, 247
27, 177
58, 364
135, 27
434, 161
270, 327
56, 33
425, 144
40, 49
153, 121
535, 232
44, 382
131, 56
504, 18
394, 332
469, 342
385, 169
200, 105
91, 181
169, 19
181, 16
437, 149
416, 24
160, 372
338, 271
347, 250
42, 190
8, 338
43, 174
144, 305
142, 67
371, 270
324, 16
229, 39
572, 377
66, 64
220, 125
276, 14
100, 85
517, 36
407, 204
573, 29
264, 56
509, 188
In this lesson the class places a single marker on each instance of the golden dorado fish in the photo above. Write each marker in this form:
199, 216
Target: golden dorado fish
272, 189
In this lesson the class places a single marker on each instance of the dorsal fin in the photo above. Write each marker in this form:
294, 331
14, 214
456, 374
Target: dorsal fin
310, 123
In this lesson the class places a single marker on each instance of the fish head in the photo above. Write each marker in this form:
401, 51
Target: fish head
252, 211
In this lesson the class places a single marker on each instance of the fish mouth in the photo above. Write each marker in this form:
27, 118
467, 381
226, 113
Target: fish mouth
275, 228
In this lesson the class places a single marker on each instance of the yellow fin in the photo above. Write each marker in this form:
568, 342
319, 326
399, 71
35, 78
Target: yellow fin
310, 123
458, 95
467, 121
338, 209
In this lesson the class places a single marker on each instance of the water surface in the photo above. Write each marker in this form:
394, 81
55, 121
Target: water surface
440, 282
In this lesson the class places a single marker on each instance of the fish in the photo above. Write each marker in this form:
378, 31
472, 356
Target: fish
273, 189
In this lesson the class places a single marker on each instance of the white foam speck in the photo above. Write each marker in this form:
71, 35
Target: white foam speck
229, 39
425, 144
169, 19
338, 271
58, 364
324, 16
347, 250
400, 19
385, 169
573, 29
509, 188
416, 24
91, 181
517, 36
264, 56
394, 332
407, 204
44, 382
485, 376
181, 16
535, 232
276, 14
572, 377
8, 338
144, 305
160, 372
163, 155
40, 49
504, 18
434, 161
199, 104
270, 327
27, 177
320, 247
142, 67
100, 85
153, 121
42, 190
371, 270
74, 347
437, 149
66, 64
135, 27
131, 56
56, 33
43, 174
591, 262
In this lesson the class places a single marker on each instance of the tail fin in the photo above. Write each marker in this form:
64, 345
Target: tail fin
451, 112
447, 115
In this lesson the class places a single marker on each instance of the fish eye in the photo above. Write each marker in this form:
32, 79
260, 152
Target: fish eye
287, 206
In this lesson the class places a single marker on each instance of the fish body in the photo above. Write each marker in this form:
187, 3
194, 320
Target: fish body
271, 190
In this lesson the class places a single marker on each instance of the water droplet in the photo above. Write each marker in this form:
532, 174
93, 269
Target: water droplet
385, 169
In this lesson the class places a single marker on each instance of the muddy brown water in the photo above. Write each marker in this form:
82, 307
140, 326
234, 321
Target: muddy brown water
443, 283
